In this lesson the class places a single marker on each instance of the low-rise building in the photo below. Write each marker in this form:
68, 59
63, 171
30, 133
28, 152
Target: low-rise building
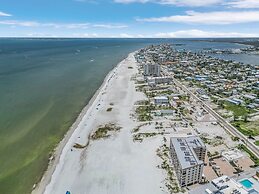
166, 112
161, 100
158, 80
226, 185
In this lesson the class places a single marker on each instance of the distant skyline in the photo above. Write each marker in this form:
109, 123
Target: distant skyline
130, 18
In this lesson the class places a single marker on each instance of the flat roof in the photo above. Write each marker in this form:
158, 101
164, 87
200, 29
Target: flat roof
203, 189
184, 150
161, 98
228, 185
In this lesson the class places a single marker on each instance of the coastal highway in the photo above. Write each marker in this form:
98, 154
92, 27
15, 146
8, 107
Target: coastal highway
232, 130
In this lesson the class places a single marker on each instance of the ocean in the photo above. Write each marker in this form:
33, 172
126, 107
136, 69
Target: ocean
44, 85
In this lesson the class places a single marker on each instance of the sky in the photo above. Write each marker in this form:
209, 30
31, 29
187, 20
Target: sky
129, 18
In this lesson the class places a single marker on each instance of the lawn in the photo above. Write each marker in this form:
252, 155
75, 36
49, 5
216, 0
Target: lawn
247, 128
236, 109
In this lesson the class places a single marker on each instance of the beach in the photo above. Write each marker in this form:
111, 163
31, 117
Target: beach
46, 83
44, 91
112, 165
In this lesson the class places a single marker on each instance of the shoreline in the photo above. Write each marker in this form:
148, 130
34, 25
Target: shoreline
55, 158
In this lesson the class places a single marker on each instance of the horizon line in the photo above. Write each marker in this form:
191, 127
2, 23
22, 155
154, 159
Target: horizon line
69, 37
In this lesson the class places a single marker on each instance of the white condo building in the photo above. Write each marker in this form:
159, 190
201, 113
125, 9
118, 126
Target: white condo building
188, 156
152, 69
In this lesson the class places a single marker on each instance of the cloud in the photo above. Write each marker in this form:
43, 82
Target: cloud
194, 3
125, 35
109, 26
38, 35
69, 25
131, 1
87, 1
244, 4
60, 25
38, 24
221, 17
19, 23
5, 14
86, 35
194, 33
191, 3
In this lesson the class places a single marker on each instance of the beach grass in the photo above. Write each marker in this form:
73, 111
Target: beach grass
144, 112
109, 109
79, 146
105, 131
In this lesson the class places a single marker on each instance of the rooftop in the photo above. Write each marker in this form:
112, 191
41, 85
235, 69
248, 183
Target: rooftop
184, 149
228, 185
160, 98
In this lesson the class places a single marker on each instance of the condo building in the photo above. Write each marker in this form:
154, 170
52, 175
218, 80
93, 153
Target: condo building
188, 156
152, 69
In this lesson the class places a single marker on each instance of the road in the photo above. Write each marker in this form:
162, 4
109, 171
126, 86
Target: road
232, 130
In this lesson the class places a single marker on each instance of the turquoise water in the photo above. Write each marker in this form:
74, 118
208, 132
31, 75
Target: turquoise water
246, 183
44, 84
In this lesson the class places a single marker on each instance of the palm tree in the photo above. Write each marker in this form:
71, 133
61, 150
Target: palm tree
245, 118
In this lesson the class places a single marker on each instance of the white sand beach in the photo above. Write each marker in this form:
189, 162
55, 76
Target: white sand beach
114, 165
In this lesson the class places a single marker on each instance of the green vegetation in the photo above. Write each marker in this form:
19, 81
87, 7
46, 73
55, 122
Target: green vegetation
109, 109
144, 113
205, 139
171, 182
143, 102
140, 88
247, 128
103, 131
238, 169
184, 98
164, 92
185, 111
130, 67
213, 155
252, 156
141, 136
79, 146
136, 129
236, 109
235, 138
214, 142
141, 82
257, 142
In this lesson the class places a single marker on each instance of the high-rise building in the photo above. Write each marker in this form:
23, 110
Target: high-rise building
188, 156
152, 69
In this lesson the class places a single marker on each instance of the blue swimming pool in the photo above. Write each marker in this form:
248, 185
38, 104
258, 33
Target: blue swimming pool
246, 183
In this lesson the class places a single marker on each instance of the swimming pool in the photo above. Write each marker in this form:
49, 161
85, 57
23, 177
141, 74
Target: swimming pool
246, 183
